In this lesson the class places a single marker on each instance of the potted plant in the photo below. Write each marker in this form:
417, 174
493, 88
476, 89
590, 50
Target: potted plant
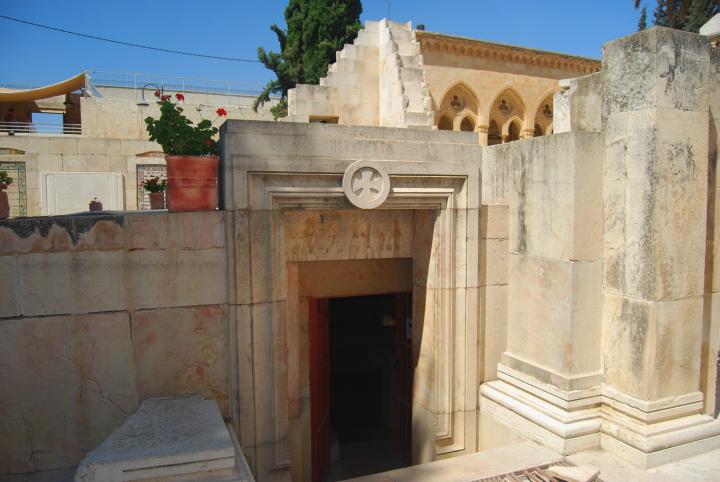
5, 181
190, 153
156, 191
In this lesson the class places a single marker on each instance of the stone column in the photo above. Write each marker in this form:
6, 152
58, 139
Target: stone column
655, 118
550, 373
527, 133
482, 131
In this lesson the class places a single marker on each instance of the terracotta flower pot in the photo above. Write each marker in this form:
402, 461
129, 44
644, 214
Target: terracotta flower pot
192, 183
157, 200
4, 205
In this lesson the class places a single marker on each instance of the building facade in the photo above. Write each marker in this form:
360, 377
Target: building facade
562, 288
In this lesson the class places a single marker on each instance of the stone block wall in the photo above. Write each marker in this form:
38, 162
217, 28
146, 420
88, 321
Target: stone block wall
98, 313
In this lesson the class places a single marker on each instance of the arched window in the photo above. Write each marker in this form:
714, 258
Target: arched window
445, 124
467, 125
513, 132
544, 117
493, 134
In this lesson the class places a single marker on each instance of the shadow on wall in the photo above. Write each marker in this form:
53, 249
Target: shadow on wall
710, 356
423, 417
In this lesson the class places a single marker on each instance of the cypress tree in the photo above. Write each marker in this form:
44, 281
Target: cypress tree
316, 29
680, 14
642, 23
700, 12
660, 14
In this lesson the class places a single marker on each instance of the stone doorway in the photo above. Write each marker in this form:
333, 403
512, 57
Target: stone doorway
296, 234
361, 385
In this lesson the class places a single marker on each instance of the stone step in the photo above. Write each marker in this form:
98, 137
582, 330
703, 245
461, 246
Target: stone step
173, 438
367, 39
413, 61
472, 467
357, 52
410, 74
351, 66
371, 26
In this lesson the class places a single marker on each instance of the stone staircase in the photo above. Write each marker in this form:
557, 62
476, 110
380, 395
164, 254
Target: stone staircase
378, 80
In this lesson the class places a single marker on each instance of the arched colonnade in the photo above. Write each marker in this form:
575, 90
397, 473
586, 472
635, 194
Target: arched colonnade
506, 118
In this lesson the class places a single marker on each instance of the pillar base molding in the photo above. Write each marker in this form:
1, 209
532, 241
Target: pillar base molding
539, 420
653, 411
646, 440
649, 445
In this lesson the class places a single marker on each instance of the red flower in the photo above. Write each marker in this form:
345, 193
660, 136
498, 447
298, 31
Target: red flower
209, 142
221, 112
179, 96
157, 93
165, 98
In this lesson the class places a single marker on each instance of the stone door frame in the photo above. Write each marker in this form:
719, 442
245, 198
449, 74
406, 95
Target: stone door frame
258, 192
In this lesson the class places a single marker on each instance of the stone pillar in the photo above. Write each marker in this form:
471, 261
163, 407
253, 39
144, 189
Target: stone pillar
482, 131
550, 373
655, 118
527, 133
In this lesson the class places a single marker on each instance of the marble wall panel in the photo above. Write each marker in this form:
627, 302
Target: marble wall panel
67, 381
181, 351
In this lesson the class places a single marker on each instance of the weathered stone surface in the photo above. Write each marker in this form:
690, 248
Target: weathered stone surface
493, 262
67, 382
658, 67
554, 314
494, 318
9, 299
355, 277
62, 233
181, 436
556, 198
652, 348
578, 107
655, 194
85, 282
181, 350
315, 236
494, 220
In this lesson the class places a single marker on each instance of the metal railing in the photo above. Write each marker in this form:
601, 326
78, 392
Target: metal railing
179, 84
12, 128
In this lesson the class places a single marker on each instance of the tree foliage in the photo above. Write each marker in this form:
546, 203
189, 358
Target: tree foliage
316, 29
642, 22
687, 15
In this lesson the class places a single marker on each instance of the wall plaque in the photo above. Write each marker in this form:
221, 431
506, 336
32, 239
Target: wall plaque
71, 192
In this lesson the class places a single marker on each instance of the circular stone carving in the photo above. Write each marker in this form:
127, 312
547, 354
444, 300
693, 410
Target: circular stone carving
366, 184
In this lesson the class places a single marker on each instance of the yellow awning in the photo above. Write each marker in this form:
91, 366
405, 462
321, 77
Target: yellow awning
61, 88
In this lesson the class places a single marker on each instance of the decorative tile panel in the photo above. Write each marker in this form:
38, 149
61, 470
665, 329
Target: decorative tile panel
17, 191
146, 171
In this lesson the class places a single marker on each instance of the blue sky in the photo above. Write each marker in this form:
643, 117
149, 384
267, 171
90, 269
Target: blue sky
235, 28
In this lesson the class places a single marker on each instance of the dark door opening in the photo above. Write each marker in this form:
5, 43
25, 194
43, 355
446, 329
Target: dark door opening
361, 385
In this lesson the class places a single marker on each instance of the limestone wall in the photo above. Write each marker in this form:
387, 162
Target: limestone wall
78, 154
122, 118
98, 313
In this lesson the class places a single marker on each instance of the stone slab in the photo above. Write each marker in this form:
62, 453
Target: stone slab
165, 437
467, 468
